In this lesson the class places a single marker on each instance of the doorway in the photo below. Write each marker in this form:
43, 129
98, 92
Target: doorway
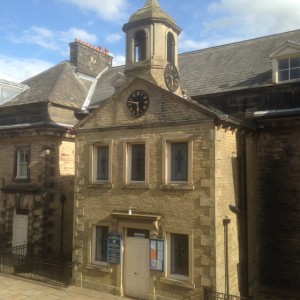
136, 264
20, 227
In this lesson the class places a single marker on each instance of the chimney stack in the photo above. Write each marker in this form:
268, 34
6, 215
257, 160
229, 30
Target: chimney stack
88, 59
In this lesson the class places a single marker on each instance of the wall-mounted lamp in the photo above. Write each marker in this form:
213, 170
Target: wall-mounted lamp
234, 209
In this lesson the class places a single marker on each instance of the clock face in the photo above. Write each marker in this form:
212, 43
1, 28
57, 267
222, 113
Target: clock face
138, 103
171, 77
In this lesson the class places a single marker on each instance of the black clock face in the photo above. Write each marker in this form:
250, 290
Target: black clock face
171, 77
138, 103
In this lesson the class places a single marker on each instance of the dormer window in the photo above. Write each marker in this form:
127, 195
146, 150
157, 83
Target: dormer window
140, 46
286, 62
289, 69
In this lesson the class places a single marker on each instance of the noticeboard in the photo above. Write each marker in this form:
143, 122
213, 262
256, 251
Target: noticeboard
114, 248
157, 255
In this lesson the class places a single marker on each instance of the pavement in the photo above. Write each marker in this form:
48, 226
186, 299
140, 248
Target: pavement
14, 288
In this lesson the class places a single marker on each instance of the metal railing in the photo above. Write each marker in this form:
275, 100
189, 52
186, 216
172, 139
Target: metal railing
59, 274
211, 295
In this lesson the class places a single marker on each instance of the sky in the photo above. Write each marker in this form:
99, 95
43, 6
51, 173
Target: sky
35, 34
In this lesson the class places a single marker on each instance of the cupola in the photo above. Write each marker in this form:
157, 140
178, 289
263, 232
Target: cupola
151, 43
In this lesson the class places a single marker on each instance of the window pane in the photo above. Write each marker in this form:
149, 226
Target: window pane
295, 73
138, 162
283, 75
102, 163
283, 64
101, 243
295, 62
22, 163
180, 254
179, 162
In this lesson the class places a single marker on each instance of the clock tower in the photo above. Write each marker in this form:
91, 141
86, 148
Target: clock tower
152, 46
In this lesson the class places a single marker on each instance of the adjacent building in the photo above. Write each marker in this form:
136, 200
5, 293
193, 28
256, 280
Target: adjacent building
37, 153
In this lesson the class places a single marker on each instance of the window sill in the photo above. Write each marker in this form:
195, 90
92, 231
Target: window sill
184, 284
177, 186
137, 185
103, 269
103, 185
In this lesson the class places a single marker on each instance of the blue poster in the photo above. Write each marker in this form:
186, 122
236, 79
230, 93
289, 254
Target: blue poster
114, 248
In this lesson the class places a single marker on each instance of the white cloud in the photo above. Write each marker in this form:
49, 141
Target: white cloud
112, 38
18, 69
255, 17
112, 10
53, 40
189, 44
119, 60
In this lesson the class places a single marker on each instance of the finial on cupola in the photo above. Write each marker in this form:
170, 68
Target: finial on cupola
151, 3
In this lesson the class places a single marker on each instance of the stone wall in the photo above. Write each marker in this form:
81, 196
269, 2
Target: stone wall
51, 175
274, 265
189, 210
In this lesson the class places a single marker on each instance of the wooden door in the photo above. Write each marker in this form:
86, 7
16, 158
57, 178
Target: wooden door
136, 268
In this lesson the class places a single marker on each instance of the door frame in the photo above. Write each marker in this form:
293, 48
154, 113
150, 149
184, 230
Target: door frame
24, 217
126, 239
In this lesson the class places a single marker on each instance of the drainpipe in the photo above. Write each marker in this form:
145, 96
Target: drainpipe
226, 222
62, 201
242, 214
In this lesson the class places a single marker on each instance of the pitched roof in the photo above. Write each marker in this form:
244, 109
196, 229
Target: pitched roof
232, 67
57, 85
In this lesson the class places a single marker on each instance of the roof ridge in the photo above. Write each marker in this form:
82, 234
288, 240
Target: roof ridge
57, 82
45, 71
240, 42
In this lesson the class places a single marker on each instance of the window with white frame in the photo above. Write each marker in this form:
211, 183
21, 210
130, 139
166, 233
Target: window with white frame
101, 163
178, 161
22, 163
289, 69
99, 245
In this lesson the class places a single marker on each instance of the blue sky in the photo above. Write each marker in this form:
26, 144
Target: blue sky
35, 34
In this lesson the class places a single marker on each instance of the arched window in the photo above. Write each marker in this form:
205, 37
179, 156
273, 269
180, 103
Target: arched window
140, 46
170, 48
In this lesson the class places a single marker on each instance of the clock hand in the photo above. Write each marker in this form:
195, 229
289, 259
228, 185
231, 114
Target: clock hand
133, 102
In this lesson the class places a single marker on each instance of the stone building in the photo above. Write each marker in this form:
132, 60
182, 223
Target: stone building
187, 168
155, 175
37, 153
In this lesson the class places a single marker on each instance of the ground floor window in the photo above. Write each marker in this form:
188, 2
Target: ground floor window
179, 255
100, 244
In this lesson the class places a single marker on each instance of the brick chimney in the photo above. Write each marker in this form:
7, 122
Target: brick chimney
88, 59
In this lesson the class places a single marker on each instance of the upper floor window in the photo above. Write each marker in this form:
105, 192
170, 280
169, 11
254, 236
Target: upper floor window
179, 161
289, 69
100, 163
22, 163
140, 46
170, 48
136, 162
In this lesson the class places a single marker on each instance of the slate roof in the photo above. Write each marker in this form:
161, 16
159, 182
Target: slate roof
57, 85
227, 68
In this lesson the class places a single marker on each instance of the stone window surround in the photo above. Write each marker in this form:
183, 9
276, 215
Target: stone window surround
166, 160
91, 263
93, 165
127, 183
172, 279
16, 163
